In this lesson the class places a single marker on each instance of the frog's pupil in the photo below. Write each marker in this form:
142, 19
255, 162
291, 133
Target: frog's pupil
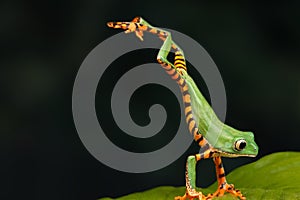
242, 145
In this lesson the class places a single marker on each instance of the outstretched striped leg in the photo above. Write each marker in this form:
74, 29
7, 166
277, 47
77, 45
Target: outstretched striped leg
139, 25
223, 186
135, 25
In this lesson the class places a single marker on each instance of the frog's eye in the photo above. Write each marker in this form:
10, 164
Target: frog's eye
240, 144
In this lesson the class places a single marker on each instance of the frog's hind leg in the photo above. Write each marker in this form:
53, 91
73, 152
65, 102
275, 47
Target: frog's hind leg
223, 186
139, 25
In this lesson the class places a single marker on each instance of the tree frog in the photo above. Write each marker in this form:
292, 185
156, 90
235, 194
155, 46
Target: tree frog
215, 138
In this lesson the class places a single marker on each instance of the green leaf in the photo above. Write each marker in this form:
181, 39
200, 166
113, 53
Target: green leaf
274, 176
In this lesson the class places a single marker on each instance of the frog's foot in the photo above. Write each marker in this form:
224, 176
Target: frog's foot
133, 26
225, 187
191, 195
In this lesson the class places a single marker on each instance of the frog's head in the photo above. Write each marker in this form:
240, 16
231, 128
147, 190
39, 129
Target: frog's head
238, 143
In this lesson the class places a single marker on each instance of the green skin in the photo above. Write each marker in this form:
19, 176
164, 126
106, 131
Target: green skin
218, 134
221, 136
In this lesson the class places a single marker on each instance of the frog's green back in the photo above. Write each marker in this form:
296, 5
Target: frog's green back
218, 134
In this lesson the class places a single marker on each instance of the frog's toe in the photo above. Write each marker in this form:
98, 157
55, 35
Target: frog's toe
139, 34
191, 195
228, 188
180, 198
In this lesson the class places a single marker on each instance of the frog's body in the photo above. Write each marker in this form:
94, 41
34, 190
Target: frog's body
215, 138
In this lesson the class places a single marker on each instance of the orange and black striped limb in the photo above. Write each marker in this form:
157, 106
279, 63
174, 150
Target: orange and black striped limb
139, 25
179, 61
223, 186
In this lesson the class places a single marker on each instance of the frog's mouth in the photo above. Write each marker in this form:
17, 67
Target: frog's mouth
234, 155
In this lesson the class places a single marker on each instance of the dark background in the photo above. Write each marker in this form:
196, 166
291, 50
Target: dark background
43, 43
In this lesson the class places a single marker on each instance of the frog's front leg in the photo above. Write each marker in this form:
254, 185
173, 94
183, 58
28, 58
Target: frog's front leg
223, 186
190, 176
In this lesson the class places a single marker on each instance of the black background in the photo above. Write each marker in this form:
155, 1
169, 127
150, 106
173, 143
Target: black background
43, 43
